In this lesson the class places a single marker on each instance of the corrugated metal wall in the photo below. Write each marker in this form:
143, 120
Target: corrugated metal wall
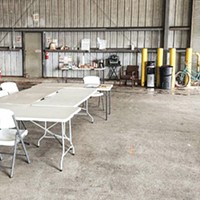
179, 17
196, 27
91, 13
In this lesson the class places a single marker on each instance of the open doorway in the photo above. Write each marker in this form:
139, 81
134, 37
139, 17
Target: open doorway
33, 55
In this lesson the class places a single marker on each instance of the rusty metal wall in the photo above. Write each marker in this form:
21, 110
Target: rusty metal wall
91, 13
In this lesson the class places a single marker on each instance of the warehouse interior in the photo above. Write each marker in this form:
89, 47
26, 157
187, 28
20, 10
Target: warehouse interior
148, 148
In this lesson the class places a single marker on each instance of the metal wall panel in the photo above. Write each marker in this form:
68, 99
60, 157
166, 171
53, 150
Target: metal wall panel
179, 16
91, 13
82, 13
196, 28
94, 13
11, 62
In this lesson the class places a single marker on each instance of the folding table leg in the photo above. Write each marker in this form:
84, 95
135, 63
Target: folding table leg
109, 103
87, 112
70, 138
106, 105
63, 146
44, 135
61, 138
65, 151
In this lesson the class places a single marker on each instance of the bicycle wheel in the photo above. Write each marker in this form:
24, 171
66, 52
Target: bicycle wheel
182, 79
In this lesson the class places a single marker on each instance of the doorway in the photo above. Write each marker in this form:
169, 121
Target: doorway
33, 55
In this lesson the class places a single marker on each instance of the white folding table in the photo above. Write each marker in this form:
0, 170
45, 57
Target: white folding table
56, 104
37, 114
69, 96
76, 95
30, 95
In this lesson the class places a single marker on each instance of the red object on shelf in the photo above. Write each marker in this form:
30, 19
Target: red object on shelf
46, 55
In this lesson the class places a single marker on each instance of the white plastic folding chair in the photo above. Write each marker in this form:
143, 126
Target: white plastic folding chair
3, 93
93, 81
11, 135
10, 87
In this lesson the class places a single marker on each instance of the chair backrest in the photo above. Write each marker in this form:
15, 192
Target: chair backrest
91, 81
6, 119
10, 87
131, 68
3, 93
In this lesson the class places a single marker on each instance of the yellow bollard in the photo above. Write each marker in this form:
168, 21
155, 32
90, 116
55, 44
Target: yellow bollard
143, 70
159, 64
173, 64
188, 62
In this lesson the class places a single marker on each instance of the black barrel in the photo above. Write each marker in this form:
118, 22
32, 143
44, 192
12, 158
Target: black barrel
166, 77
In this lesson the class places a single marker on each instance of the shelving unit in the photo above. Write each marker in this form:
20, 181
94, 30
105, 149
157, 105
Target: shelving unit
80, 53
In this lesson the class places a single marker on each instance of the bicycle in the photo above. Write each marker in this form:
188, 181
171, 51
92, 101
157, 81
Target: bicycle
183, 77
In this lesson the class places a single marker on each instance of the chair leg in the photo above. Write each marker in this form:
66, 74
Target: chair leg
14, 157
102, 100
25, 151
99, 100
1, 158
13, 160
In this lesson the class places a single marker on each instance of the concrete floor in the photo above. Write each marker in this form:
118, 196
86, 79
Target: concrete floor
149, 149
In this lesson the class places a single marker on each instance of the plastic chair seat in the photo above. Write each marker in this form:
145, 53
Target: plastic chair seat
7, 136
10, 87
3, 93
94, 81
91, 81
97, 94
11, 135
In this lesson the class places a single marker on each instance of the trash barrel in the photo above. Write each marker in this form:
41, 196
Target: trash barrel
150, 66
166, 77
